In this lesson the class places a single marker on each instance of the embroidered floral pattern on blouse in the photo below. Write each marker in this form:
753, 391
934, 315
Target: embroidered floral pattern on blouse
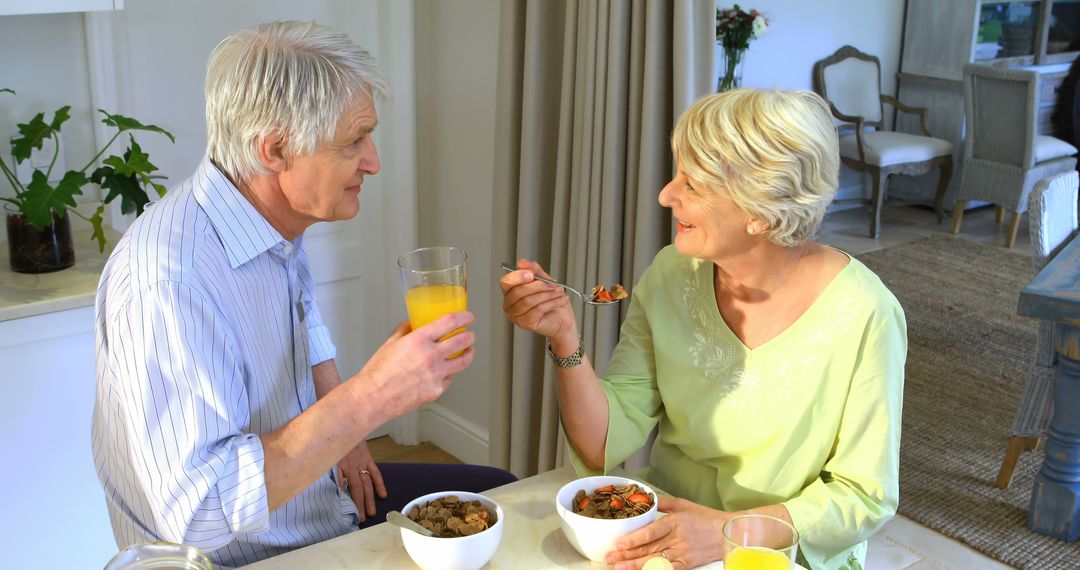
706, 353
741, 385
745, 392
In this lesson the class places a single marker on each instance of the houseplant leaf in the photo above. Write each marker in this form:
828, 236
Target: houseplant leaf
99, 232
121, 177
42, 199
126, 187
123, 123
135, 161
34, 133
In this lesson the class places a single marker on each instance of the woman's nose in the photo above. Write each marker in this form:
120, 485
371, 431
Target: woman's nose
665, 198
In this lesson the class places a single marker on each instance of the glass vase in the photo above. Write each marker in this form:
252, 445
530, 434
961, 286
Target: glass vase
39, 251
730, 76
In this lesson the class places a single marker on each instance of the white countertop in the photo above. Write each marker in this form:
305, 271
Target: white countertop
532, 537
25, 295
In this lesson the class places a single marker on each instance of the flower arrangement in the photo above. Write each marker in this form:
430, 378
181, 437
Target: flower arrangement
735, 28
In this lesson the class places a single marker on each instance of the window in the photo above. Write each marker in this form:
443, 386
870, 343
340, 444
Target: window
1027, 32
1007, 30
1064, 32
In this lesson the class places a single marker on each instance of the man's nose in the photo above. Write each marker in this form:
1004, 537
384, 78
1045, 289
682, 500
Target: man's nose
369, 158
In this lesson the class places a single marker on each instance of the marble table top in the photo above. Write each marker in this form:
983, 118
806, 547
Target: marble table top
532, 537
24, 295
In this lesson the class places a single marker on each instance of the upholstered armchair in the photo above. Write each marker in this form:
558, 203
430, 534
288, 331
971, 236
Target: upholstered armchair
1004, 156
850, 81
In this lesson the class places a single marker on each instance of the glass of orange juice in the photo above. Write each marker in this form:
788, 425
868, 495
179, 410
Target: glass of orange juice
434, 283
759, 542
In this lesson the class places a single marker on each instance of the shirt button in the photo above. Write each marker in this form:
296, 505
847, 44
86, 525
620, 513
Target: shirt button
287, 249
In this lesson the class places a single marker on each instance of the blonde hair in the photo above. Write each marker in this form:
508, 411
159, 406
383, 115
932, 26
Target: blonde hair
282, 79
775, 153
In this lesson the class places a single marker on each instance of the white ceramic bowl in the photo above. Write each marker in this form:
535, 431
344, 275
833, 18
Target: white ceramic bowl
462, 553
594, 538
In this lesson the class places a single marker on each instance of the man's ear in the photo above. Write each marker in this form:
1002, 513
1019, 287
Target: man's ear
271, 149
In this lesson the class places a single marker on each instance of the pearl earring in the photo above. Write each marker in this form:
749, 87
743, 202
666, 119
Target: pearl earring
750, 231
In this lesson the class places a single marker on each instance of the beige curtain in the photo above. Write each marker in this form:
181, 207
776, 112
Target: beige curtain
588, 94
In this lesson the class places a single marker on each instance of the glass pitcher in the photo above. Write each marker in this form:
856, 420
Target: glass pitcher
160, 556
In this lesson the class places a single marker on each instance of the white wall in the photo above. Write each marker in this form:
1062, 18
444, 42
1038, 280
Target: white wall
44, 61
801, 33
457, 44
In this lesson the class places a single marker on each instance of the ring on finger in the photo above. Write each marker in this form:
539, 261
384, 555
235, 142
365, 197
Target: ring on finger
365, 472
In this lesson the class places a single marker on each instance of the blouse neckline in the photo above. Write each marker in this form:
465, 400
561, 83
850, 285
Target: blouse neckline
706, 270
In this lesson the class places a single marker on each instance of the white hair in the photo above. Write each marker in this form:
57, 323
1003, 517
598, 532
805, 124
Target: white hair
774, 153
289, 80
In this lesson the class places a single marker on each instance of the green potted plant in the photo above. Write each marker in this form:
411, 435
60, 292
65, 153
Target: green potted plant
39, 231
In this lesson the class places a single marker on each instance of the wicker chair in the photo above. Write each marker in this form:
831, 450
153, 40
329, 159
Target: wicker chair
850, 81
1003, 154
1053, 222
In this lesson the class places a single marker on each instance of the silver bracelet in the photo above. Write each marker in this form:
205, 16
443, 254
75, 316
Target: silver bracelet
569, 361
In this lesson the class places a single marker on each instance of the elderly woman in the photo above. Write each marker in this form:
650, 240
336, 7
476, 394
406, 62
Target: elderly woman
773, 365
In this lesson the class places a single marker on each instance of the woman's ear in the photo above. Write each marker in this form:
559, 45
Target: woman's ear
271, 149
755, 226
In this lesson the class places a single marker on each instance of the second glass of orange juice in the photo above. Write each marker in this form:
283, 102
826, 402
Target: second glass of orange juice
435, 284
759, 542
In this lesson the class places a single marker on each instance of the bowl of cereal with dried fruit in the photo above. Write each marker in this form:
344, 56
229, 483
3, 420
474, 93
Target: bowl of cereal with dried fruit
467, 527
595, 512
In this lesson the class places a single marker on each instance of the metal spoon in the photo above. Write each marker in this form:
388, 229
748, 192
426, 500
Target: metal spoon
587, 299
397, 519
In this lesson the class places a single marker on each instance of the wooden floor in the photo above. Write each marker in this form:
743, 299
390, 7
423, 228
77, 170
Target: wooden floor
849, 229
385, 449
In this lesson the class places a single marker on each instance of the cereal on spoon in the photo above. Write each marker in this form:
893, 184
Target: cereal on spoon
603, 295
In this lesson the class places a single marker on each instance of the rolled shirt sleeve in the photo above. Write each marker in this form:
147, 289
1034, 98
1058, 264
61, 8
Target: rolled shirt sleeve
185, 404
320, 347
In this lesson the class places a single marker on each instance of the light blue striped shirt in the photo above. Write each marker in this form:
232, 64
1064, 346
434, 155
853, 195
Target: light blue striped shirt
207, 330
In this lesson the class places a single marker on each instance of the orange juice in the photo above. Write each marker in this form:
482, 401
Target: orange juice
756, 558
429, 302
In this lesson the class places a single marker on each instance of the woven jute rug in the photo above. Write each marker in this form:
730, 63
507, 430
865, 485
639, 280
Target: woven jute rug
968, 357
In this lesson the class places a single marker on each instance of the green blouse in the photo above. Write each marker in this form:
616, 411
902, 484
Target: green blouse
810, 419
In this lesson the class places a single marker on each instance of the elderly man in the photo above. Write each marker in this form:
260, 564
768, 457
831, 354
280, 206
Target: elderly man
220, 419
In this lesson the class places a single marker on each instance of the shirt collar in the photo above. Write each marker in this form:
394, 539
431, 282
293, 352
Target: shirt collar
244, 232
